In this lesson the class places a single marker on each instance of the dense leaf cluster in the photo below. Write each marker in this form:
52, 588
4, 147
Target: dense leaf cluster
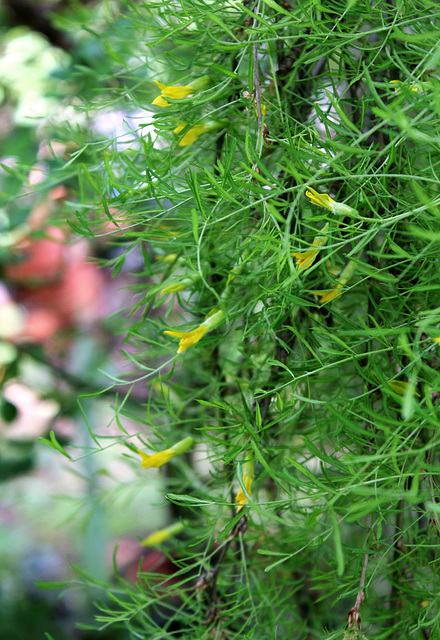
330, 400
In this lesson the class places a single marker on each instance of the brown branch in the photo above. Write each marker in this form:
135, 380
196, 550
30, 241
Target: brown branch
209, 579
354, 616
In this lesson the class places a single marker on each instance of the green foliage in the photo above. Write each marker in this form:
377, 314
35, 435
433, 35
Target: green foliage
333, 397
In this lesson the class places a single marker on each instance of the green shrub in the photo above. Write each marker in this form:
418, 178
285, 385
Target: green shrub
279, 187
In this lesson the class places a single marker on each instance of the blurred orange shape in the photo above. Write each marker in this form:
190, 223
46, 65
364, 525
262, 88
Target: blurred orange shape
39, 260
77, 296
40, 325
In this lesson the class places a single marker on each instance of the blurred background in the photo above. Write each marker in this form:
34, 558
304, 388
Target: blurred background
61, 298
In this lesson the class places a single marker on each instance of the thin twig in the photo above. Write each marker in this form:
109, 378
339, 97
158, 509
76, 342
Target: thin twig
394, 599
257, 90
208, 581
354, 616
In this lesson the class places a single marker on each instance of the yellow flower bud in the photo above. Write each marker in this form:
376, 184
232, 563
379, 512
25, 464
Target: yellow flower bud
192, 134
177, 92
247, 479
324, 200
336, 290
321, 199
196, 130
400, 387
160, 536
178, 286
330, 294
189, 338
305, 259
161, 457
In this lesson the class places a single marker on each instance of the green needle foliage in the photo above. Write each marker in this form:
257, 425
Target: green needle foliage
318, 513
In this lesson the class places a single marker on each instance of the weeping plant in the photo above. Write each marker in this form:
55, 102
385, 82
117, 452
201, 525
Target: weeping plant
280, 188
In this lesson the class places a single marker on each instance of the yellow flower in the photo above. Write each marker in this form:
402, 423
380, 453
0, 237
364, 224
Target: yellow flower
157, 459
173, 91
437, 339
324, 200
177, 286
189, 338
232, 275
400, 387
321, 199
331, 294
160, 536
305, 259
412, 87
337, 289
192, 134
247, 478
170, 257
197, 130
174, 288
161, 457
177, 92
241, 498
